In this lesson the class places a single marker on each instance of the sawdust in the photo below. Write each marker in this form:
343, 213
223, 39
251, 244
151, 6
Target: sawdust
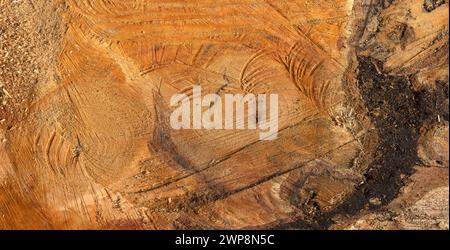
30, 32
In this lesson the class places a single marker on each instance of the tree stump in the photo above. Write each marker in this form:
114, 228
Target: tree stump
85, 106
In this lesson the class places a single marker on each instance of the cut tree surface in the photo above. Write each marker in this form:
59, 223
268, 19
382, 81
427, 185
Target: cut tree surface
86, 141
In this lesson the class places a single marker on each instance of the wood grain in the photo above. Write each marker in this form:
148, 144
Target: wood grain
88, 145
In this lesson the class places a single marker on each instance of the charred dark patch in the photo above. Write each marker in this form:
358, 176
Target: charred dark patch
398, 114
435, 103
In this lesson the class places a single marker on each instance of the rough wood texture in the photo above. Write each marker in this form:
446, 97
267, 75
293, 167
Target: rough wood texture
85, 89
